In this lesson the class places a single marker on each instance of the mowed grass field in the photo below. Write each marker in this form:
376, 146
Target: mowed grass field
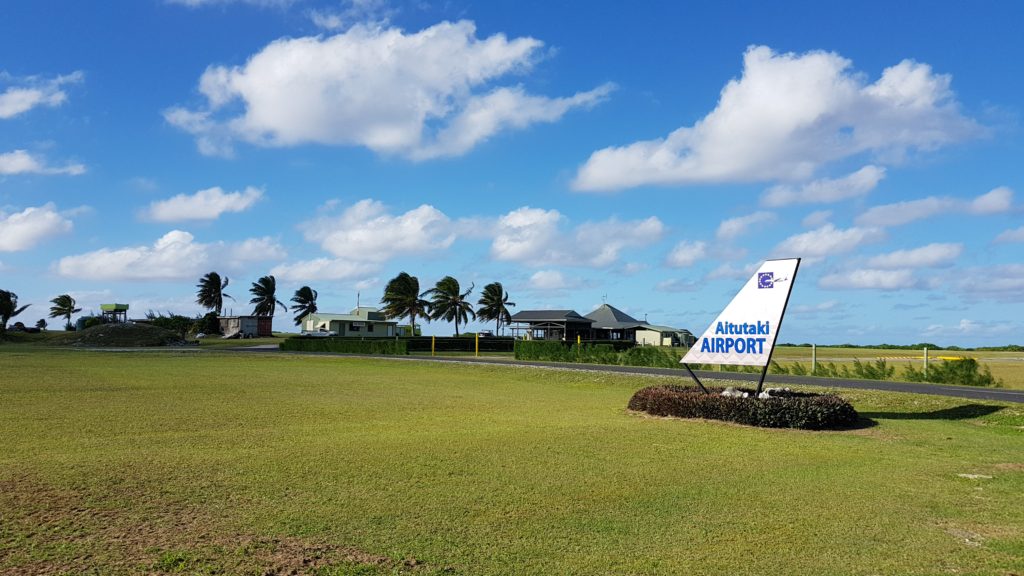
214, 462
1006, 366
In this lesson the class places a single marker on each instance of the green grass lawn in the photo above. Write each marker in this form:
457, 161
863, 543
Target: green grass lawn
219, 463
1006, 366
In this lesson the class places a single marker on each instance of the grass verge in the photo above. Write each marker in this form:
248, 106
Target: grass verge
218, 463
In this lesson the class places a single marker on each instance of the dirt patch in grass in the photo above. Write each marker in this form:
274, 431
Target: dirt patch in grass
49, 530
1011, 466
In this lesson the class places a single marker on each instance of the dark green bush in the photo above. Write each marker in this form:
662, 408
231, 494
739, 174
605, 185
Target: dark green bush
595, 354
965, 372
545, 350
91, 321
794, 410
555, 351
460, 344
344, 345
649, 356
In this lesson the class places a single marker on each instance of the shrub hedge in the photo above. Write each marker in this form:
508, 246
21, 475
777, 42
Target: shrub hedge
344, 345
555, 351
460, 344
794, 410
965, 372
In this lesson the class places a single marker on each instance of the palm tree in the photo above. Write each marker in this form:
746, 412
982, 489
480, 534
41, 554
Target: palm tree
449, 303
402, 298
494, 305
9, 308
64, 306
305, 303
211, 293
264, 296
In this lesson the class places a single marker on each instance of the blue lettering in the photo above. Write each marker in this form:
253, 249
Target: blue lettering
704, 345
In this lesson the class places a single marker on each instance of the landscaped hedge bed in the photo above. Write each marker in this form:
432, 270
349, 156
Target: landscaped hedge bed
786, 410
344, 345
460, 344
555, 351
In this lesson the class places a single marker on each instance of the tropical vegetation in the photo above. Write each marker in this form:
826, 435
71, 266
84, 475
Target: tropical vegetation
305, 303
402, 299
449, 303
9, 308
494, 305
264, 296
64, 307
211, 293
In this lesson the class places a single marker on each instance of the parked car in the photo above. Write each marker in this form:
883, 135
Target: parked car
322, 333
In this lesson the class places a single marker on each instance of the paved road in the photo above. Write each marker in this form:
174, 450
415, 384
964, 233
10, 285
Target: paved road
775, 380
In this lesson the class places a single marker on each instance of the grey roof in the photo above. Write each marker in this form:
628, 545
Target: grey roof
525, 316
610, 317
656, 328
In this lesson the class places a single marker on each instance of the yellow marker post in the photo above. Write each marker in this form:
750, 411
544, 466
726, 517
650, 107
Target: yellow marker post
478, 344
579, 347
432, 340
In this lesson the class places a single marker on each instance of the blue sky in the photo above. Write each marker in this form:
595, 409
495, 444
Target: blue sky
649, 157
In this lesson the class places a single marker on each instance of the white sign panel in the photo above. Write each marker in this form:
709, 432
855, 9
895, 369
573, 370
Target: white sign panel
744, 333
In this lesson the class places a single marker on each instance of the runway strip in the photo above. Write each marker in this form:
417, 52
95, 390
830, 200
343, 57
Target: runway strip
970, 392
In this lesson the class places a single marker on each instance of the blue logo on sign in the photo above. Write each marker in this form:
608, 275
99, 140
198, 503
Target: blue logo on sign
765, 280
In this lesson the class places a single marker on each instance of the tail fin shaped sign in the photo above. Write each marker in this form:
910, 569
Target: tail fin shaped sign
745, 332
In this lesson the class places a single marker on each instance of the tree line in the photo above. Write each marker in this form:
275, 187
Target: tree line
402, 299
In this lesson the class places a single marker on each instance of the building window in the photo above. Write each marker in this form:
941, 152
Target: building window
369, 327
354, 327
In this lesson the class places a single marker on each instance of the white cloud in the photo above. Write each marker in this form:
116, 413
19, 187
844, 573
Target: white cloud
504, 108
32, 92
351, 12
788, 115
327, 20
686, 253
551, 280
888, 215
533, 236
206, 204
826, 241
174, 256
731, 272
825, 190
734, 227
869, 279
22, 162
814, 309
1015, 235
420, 95
817, 219
934, 255
366, 232
1002, 282
25, 229
996, 201
320, 269
971, 327
676, 285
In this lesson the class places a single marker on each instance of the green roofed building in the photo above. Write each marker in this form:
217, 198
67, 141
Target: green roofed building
114, 312
363, 322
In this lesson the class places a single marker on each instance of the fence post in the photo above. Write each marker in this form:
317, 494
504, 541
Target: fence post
814, 359
432, 339
477, 351
925, 361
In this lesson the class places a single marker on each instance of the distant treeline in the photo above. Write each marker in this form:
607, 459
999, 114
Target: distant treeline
928, 345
